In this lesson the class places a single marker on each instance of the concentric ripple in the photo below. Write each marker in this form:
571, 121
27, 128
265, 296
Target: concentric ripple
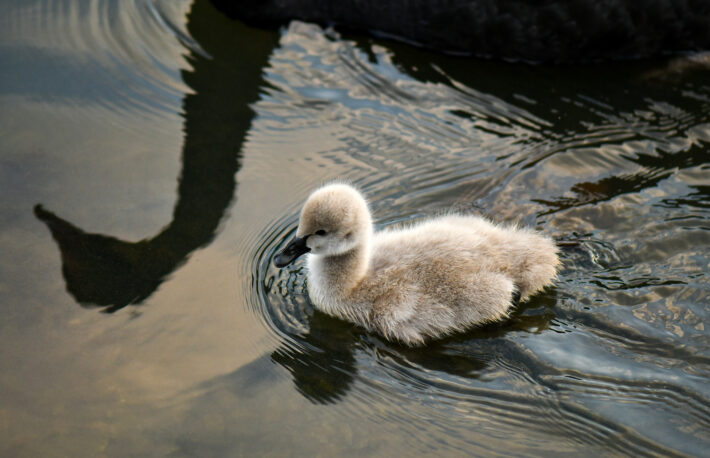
128, 47
584, 365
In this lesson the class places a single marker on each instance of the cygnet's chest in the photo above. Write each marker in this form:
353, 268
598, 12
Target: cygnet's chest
327, 285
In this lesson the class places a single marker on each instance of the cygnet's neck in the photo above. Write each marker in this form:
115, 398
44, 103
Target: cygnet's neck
342, 272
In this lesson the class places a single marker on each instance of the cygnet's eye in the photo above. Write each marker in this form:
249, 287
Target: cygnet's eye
320, 232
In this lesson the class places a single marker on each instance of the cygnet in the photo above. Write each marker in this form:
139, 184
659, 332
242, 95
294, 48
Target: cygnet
427, 280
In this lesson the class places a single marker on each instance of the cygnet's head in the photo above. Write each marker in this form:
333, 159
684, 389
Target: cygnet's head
334, 220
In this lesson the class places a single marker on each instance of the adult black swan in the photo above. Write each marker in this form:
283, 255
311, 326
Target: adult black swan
530, 30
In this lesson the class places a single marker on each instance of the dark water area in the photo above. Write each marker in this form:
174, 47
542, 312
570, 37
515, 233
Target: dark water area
154, 156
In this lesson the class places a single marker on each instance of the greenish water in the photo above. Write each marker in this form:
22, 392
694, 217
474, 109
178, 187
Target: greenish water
170, 148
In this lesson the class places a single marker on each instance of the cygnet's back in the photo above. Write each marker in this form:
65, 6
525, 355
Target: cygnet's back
428, 280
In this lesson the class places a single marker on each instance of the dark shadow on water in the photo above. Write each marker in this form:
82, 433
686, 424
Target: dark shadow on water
323, 366
104, 271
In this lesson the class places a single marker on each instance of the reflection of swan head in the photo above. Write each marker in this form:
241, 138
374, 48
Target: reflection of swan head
428, 280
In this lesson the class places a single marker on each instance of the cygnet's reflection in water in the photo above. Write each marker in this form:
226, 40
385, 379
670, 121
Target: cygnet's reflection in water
323, 365
103, 271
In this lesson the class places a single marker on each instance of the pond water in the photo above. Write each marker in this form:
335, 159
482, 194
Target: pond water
155, 155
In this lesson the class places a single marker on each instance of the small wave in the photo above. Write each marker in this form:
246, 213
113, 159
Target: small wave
418, 148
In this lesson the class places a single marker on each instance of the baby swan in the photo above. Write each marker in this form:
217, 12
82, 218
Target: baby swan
431, 279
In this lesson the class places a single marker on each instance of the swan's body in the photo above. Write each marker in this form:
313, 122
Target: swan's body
428, 280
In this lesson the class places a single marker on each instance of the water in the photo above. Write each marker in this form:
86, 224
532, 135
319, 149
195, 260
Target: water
169, 150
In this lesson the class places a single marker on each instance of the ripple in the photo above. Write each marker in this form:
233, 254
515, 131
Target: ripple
374, 107
487, 376
132, 62
610, 185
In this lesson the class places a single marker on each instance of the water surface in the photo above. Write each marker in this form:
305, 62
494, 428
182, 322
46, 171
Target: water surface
169, 149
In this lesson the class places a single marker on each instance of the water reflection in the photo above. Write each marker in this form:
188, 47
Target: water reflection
322, 361
614, 360
604, 164
657, 167
104, 271
323, 364
327, 357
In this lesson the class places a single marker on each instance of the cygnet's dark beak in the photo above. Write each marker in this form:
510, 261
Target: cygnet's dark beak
294, 249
